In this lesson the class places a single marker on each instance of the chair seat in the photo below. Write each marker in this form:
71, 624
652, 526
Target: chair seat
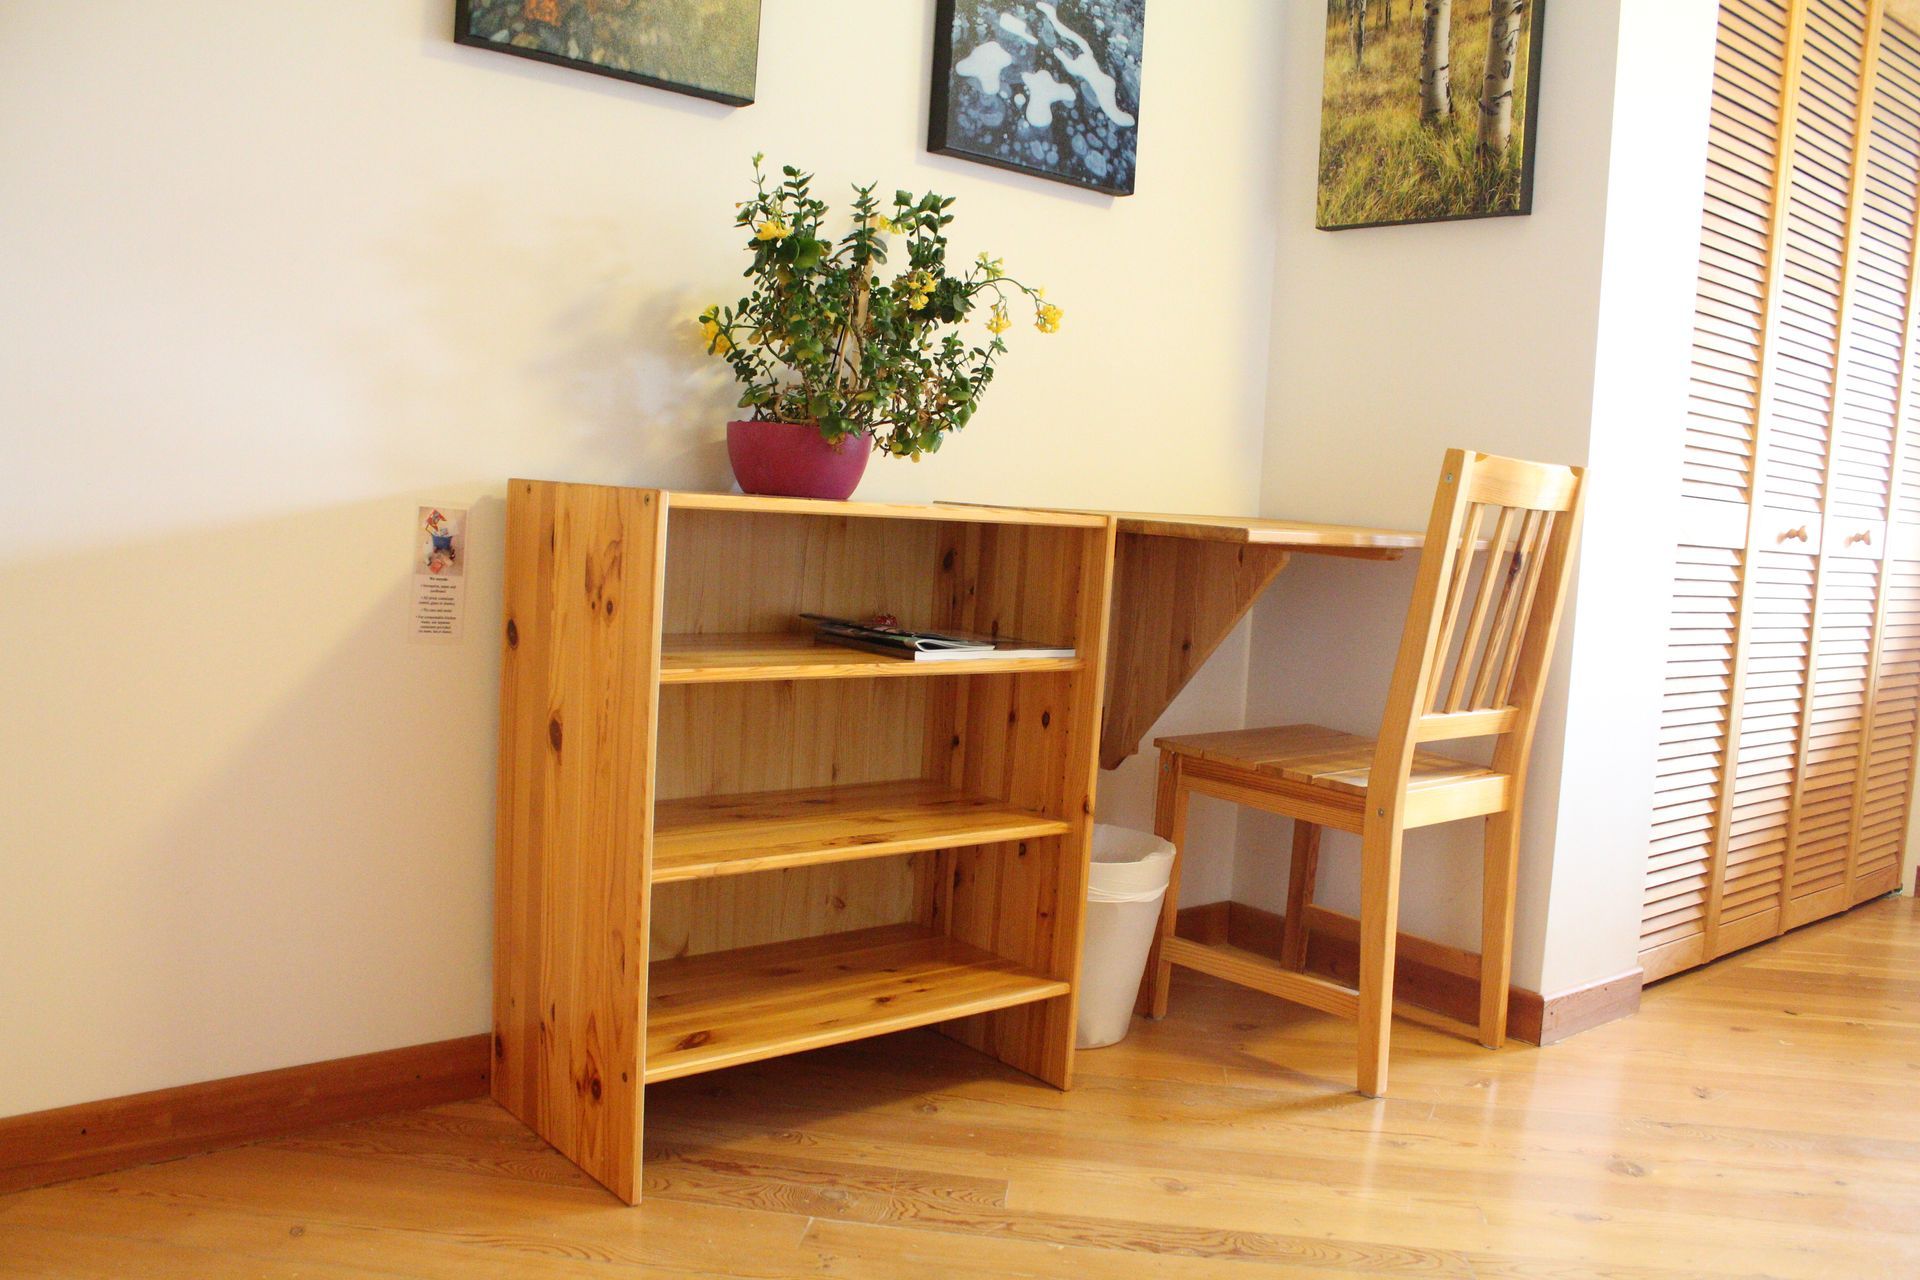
1316, 756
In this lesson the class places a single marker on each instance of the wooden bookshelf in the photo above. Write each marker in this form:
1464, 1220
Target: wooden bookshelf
721, 842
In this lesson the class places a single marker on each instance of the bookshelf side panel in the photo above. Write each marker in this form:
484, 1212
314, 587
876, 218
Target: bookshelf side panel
584, 580
1033, 739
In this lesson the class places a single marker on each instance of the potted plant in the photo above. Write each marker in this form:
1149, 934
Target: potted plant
836, 361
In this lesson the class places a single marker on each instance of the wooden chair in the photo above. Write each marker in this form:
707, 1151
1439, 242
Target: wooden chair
1479, 680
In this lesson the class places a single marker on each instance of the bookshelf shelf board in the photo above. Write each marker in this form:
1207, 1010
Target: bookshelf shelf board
707, 659
731, 1007
706, 836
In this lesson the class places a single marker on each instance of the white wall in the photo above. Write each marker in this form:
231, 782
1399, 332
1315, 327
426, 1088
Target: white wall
277, 273
1516, 336
1616, 642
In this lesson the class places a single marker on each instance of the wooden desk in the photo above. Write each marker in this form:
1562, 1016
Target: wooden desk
1180, 583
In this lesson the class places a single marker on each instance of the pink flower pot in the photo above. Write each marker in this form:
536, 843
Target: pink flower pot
790, 460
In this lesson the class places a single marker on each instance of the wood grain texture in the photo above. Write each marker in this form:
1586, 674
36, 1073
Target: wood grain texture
1316, 756
1248, 969
688, 659
719, 913
795, 794
1034, 740
730, 1007
1295, 535
1492, 669
727, 835
795, 741
1721, 1133
1175, 599
78, 1141
579, 681
1305, 535
1427, 976
957, 513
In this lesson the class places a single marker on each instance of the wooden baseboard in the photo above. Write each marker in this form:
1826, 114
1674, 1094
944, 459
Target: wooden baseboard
96, 1137
1210, 922
1568, 1013
1443, 979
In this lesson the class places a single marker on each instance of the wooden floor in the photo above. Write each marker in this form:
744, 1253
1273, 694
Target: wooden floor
1761, 1117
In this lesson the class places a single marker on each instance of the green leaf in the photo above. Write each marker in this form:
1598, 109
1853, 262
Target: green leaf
808, 252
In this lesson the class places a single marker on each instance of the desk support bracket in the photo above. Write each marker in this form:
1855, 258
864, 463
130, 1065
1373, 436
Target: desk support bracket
1174, 600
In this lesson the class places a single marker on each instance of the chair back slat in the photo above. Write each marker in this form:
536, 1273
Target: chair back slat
1456, 594
1515, 570
1457, 691
1510, 569
1481, 677
1536, 558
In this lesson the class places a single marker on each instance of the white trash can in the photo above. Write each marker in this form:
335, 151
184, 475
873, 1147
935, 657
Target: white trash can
1125, 885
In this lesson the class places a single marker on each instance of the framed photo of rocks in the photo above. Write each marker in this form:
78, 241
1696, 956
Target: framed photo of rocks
708, 48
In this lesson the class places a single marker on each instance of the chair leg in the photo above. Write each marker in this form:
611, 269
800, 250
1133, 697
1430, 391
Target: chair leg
1169, 823
1498, 877
1379, 932
1300, 883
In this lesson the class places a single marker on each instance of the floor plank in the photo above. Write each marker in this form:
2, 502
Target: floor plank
1757, 1118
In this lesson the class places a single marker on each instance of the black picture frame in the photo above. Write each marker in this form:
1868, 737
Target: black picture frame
942, 136
1529, 144
463, 33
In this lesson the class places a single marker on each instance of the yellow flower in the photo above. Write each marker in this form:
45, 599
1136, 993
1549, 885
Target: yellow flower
1046, 318
998, 323
881, 222
919, 289
773, 229
718, 343
995, 267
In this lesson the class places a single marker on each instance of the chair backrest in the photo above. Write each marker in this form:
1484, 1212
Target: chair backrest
1486, 606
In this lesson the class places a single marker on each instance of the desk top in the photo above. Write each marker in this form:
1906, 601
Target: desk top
1270, 533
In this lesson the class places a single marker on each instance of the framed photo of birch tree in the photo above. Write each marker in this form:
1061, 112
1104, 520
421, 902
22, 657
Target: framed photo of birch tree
1430, 111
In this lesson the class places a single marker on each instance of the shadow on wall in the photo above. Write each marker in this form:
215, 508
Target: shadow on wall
252, 825
547, 325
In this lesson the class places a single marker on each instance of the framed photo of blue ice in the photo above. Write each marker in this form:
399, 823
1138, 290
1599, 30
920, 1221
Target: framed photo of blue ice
1047, 87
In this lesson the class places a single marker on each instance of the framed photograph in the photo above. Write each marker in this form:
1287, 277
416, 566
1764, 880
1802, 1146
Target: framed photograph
708, 48
1430, 111
1047, 87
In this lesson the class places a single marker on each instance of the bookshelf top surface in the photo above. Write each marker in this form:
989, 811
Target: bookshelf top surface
679, 500
882, 510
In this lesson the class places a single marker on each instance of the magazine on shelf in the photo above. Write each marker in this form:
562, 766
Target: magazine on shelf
927, 646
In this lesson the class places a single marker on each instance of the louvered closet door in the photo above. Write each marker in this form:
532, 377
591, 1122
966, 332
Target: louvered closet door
1884, 362
1691, 815
1789, 717
1803, 463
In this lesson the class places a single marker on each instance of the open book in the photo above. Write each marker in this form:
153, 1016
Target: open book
927, 646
